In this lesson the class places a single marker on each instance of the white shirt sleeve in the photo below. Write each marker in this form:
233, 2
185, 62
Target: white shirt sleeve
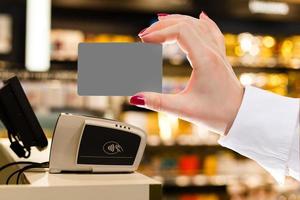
266, 129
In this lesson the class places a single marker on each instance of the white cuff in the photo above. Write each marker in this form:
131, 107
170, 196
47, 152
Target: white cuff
294, 159
264, 129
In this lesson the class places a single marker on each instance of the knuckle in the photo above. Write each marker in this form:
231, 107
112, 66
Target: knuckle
184, 25
184, 28
155, 102
189, 21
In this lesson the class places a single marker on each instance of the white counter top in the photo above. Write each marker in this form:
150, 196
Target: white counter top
42, 185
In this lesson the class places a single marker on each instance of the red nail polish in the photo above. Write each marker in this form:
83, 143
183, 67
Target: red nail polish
137, 100
140, 33
162, 14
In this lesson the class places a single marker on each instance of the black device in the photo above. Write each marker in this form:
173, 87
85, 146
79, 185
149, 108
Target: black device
113, 143
16, 113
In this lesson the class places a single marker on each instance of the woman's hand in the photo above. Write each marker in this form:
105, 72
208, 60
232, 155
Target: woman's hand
213, 94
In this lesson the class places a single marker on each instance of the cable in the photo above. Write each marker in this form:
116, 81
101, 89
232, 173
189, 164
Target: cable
40, 165
11, 175
20, 171
15, 172
15, 163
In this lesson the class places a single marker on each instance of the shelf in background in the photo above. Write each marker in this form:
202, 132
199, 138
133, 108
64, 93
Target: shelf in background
183, 147
223, 183
67, 71
62, 75
144, 6
240, 13
190, 149
277, 69
220, 189
201, 180
64, 65
185, 69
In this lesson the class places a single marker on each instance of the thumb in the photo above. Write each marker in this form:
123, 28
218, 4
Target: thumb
156, 101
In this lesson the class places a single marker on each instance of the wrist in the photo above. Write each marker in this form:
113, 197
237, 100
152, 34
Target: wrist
234, 106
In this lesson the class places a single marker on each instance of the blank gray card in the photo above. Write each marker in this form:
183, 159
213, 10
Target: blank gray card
119, 69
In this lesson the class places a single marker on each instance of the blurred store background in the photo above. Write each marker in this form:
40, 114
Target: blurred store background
262, 43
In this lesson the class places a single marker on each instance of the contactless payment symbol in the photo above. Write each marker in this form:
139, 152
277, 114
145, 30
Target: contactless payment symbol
112, 148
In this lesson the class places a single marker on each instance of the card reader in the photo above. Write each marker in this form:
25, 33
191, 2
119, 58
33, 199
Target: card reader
89, 144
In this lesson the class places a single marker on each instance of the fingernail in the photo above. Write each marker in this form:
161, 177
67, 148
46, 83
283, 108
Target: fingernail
204, 14
142, 31
162, 14
137, 100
